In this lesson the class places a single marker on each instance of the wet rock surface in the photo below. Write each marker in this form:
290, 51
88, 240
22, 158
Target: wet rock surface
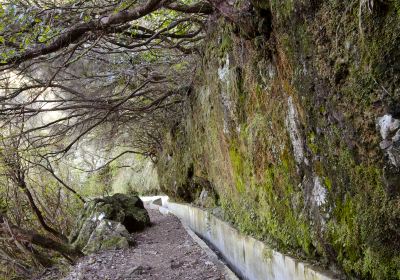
162, 251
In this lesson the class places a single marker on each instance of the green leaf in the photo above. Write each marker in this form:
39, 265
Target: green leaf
86, 18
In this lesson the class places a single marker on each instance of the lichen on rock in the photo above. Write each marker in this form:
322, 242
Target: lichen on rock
292, 123
390, 131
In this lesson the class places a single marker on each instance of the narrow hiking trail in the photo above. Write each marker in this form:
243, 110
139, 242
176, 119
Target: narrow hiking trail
162, 251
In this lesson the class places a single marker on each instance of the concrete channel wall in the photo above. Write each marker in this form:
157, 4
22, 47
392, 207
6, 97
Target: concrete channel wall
248, 257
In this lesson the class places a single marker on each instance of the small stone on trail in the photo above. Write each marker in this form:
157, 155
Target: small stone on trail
175, 265
137, 270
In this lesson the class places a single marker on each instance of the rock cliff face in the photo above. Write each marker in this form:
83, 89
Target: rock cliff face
294, 131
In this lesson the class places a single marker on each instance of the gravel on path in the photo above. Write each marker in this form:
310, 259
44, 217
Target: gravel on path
162, 251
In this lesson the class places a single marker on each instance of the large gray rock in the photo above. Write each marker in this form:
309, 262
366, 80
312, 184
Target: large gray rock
108, 235
105, 223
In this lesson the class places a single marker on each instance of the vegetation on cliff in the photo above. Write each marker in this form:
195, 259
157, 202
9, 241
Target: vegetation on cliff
296, 131
285, 114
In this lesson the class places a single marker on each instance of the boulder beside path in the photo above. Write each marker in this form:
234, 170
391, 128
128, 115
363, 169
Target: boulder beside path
107, 223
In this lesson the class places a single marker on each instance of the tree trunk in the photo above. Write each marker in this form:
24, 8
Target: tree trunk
39, 240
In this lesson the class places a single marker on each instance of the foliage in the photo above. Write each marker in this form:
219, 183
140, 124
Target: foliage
84, 85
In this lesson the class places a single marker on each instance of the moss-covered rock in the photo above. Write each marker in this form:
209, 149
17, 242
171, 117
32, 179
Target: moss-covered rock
106, 222
126, 209
106, 236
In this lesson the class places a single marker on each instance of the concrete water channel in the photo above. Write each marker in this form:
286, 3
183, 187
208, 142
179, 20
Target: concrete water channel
249, 258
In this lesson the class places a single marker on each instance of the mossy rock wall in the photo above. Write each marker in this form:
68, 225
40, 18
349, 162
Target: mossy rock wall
296, 129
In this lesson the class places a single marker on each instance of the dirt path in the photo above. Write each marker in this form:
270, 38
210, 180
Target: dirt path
163, 251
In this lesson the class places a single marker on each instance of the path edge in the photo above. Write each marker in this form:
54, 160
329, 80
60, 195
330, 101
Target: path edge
228, 273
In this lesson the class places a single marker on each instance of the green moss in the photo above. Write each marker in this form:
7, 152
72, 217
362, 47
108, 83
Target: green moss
340, 87
238, 166
361, 217
270, 216
282, 8
287, 230
328, 183
268, 254
225, 45
113, 242
311, 142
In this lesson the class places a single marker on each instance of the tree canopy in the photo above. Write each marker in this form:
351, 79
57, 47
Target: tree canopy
85, 63
113, 73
